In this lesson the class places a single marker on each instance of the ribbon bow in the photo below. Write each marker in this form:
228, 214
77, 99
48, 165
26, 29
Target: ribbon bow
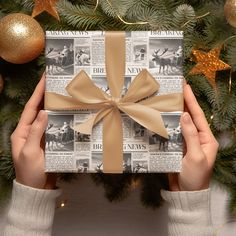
137, 102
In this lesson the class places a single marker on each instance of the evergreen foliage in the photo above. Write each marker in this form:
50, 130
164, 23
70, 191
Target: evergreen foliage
204, 26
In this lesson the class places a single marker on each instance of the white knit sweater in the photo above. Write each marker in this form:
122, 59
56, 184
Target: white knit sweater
31, 212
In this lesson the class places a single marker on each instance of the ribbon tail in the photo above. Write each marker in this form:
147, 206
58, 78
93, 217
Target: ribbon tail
115, 61
165, 103
112, 143
146, 116
54, 101
87, 126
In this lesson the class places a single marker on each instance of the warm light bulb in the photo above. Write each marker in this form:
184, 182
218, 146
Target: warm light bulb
62, 204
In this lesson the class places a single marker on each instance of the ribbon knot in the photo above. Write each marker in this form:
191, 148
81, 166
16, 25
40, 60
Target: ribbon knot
138, 102
114, 101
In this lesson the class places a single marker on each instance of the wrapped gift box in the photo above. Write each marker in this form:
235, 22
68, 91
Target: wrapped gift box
68, 53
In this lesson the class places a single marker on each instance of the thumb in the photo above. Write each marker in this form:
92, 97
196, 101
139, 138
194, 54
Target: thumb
190, 134
37, 130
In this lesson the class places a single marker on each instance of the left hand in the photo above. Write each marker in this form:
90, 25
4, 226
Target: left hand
201, 146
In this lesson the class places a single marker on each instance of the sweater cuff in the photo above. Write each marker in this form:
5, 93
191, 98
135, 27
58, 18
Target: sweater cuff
189, 213
32, 210
188, 200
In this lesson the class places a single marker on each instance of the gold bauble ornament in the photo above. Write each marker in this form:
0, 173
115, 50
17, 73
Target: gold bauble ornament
21, 38
1, 84
230, 12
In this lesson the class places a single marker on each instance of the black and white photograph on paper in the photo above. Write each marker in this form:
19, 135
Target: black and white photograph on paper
127, 167
139, 131
59, 57
80, 137
97, 165
59, 135
140, 53
140, 166
174, 142
165, 56
101, 82
82, 165
82, 56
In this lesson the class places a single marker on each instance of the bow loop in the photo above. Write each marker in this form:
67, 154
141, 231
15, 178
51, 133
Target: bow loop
83, 90
143, 86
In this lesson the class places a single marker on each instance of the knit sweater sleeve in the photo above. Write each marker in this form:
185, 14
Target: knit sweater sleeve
31, 211
189, 213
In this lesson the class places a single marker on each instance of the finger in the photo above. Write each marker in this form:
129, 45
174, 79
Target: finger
31, 108
16, 146
36, 131
190, 134
195, 110
185, 107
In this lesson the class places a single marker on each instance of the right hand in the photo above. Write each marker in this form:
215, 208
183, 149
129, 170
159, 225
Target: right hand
27, 152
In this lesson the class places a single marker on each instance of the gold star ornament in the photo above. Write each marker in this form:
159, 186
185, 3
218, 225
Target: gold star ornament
45, 5
208, 64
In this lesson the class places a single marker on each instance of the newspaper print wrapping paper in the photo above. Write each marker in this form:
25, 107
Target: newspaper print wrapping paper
67, 53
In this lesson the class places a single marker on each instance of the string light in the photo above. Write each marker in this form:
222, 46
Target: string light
230, 81
62, 204
135, 183
211, 119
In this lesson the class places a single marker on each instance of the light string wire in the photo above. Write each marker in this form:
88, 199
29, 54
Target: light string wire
230, 75
195, 18
142, 22
119, 17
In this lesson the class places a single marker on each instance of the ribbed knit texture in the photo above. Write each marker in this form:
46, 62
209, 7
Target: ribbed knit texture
31, 211
189, 213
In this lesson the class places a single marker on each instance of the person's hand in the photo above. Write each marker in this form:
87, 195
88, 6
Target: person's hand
27, 152
201, 148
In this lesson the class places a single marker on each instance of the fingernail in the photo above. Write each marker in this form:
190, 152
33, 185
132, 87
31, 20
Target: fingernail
186, 118
40, 115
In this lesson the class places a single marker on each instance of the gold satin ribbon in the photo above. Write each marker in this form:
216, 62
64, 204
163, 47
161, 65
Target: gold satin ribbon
138, 102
